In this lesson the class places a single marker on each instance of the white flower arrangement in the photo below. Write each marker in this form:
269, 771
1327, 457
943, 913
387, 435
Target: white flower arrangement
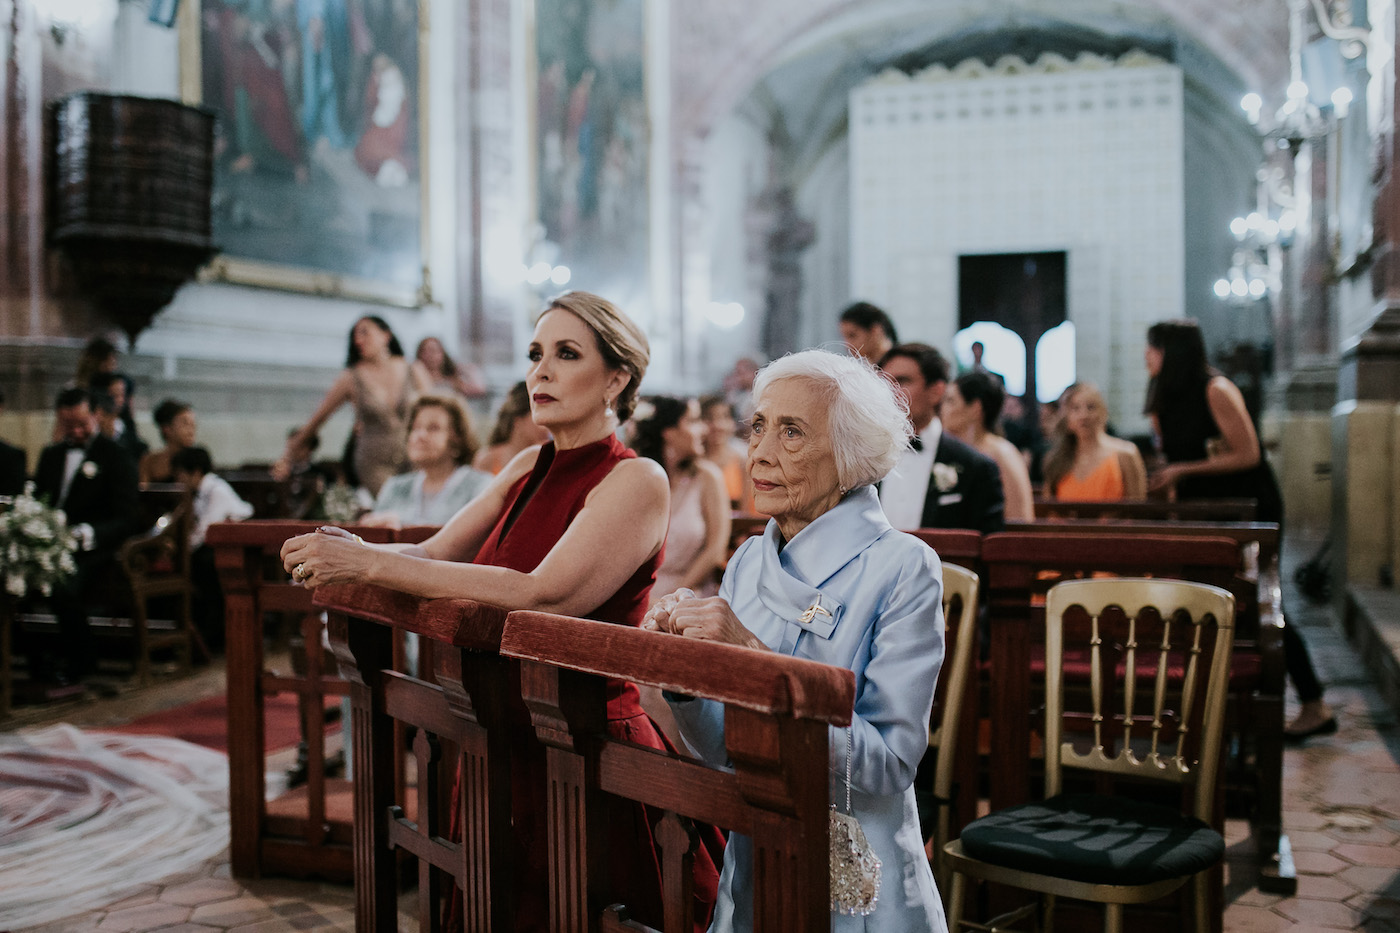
945, 476
37, 545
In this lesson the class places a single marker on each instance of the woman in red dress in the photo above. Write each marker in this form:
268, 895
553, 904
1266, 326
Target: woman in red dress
574, 526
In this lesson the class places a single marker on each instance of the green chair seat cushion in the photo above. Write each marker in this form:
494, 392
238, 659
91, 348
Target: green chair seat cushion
1095, 839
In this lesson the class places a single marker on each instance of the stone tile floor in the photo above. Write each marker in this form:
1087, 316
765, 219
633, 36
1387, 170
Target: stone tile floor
1341, 799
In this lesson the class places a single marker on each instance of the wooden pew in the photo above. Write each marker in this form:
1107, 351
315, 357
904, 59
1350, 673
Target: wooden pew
308, 830
1018, 568
1256, 715
963, 548
778, 712
1199, 510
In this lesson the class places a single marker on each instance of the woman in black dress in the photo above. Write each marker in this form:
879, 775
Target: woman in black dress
1212, 452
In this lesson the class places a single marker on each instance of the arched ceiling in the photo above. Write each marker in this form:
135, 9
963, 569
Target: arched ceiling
799, 58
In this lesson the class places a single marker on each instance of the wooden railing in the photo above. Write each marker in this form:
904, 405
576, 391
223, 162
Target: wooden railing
776, 718
463, 719
306, 831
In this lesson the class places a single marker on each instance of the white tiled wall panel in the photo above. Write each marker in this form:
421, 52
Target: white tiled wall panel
1084, 158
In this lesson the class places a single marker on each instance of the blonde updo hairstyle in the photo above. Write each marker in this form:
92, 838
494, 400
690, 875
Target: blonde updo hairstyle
619, 339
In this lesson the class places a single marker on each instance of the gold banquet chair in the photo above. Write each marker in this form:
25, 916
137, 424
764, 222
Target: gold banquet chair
1157, 668
960, 620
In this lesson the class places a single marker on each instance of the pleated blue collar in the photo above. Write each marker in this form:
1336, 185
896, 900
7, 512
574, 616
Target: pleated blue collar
790, 583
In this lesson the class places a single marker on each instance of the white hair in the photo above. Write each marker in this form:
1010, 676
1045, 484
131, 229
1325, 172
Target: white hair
867, 417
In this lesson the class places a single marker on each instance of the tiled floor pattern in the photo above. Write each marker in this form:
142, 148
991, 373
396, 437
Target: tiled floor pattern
1341, 793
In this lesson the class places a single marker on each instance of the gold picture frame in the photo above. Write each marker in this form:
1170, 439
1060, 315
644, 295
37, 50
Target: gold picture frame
321, 170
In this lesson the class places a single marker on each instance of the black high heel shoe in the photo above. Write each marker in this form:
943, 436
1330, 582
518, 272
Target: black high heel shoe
1328, 726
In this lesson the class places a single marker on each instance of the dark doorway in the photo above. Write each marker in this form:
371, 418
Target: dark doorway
1023, 292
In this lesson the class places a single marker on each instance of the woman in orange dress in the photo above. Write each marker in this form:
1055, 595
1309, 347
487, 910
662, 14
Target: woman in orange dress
723, 448
1087, 464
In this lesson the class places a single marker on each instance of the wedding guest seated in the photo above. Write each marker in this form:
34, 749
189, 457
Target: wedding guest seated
575, 526
515, 430
109, 424
939, 481
94, 482
14, 465
1085, 463
669, 430
724, 449
440, 450
122, 428
214, 501
831, 581
437, 373
970, 411
176, 422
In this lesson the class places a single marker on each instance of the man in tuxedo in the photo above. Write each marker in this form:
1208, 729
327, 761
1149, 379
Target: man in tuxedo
94, 481
939, 482
13, 465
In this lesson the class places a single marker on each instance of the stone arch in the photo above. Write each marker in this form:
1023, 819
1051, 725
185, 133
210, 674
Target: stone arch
723, 47
722, 50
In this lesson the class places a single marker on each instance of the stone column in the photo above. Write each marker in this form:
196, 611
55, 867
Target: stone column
21, 172
486, 180
1365, 422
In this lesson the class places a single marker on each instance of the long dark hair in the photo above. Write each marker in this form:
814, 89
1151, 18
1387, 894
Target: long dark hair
980, 387
1185, 369
395, 348
650, 423
516, 405
449, 365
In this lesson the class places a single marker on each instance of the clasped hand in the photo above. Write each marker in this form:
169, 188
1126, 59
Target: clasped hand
683, 613
327, 555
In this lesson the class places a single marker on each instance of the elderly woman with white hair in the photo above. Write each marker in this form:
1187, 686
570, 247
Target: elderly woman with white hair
831, 581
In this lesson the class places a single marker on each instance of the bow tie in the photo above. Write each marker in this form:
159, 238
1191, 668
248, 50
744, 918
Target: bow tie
916, 443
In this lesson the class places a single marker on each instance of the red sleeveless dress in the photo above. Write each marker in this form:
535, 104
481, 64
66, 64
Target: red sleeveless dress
539, 509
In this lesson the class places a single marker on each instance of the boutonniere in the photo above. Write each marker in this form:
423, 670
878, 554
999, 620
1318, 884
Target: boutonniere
89, 469
945, 476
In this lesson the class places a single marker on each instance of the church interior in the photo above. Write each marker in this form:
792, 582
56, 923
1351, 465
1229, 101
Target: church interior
215, 193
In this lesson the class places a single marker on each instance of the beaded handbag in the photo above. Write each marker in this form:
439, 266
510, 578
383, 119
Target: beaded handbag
855, 869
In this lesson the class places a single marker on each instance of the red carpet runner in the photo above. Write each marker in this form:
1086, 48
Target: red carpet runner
205, 722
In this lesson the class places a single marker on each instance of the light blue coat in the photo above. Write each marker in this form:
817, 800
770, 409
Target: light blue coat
883, 590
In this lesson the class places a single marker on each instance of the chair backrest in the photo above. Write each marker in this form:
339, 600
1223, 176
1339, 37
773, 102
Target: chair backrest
960, 544
1159, 659
960, 625
1199, 510
960, 621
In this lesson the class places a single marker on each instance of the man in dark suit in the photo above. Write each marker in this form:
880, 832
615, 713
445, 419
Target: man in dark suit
939, 482
94, 481
111, 400
14, 466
